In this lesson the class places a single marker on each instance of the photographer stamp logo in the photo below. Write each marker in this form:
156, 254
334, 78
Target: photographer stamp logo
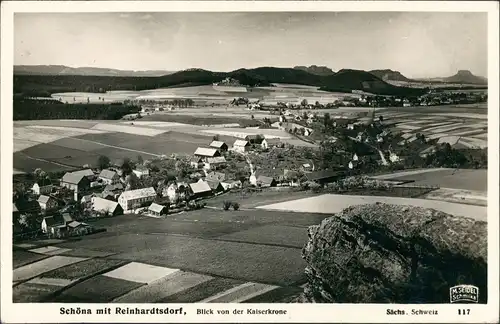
464, 294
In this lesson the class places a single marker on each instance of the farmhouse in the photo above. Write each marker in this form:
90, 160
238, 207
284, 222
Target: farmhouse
254, 139
132, 199
219, 145
109, 177
231, 184
262, 181
47, 202
324, 176
216, 186
104, 206
114, 187
204, 152
77, 181
215, 163
200, 189
241, 146
306, 167
271, 142
157, 210
141, 171
176, 191
196, 162
42, 187
49, 224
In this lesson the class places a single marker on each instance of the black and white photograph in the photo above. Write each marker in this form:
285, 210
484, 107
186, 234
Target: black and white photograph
283, 157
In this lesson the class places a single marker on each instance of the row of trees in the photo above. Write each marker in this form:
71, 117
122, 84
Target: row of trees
26, 109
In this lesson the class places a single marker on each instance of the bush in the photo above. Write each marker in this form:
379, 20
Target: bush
236, 206
226, 205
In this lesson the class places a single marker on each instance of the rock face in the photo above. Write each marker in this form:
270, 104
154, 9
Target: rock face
383, 253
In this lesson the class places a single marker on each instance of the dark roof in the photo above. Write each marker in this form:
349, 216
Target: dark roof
113, 187
214, 184
323, 174
265, 180
77, 176
54, 220
107, 174
218, 144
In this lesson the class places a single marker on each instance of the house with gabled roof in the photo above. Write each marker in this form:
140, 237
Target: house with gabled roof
196, 162
141, 171
219, 145
215, 163
109, 177
205, 152
216, 186
176, 191
255, 139
47, 202
133, 199
157, 210
271, 142
200, 189
105, 206
78, 180
42, 187
241, 146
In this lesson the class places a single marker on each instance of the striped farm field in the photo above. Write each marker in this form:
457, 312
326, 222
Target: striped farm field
83, 269
37, 268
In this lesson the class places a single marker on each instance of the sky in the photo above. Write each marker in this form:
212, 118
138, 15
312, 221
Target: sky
416, 44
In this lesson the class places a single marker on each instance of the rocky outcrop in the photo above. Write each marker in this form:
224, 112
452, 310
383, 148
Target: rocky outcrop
383, 253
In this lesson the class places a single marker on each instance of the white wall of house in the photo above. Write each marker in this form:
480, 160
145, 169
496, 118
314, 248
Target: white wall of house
43, 190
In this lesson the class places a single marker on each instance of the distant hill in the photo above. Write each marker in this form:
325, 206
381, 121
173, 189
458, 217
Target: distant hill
343, 81
390, 75
347, 80
314, 69
461, 77
92, 71
465, 76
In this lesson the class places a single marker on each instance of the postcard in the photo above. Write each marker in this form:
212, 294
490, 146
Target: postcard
249, 161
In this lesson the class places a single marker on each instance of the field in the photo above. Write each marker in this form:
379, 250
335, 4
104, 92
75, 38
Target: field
445, 178
331, 203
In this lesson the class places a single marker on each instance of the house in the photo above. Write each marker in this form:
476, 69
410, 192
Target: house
324, 176
428, 151
56, 221
132, 199
157, 210
204, 152
215, 176
241, 146
231, 184
306, 167
219, 145
216, 186
117, 187
27, 206
176, 191
42, 187
271, 142
87, 198
215, 163
254, 139
196, 162
355, 157
78, 180
263, 181
141, 171
47, 202
200, 189
105, 206
109, 177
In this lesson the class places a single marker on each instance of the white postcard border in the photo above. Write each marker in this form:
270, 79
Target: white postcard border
376, 313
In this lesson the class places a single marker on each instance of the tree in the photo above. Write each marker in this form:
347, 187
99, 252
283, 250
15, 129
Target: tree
215, 137
326, 120
304, 115
304, 103
103, 162
140, 160
126, 167
253, 117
